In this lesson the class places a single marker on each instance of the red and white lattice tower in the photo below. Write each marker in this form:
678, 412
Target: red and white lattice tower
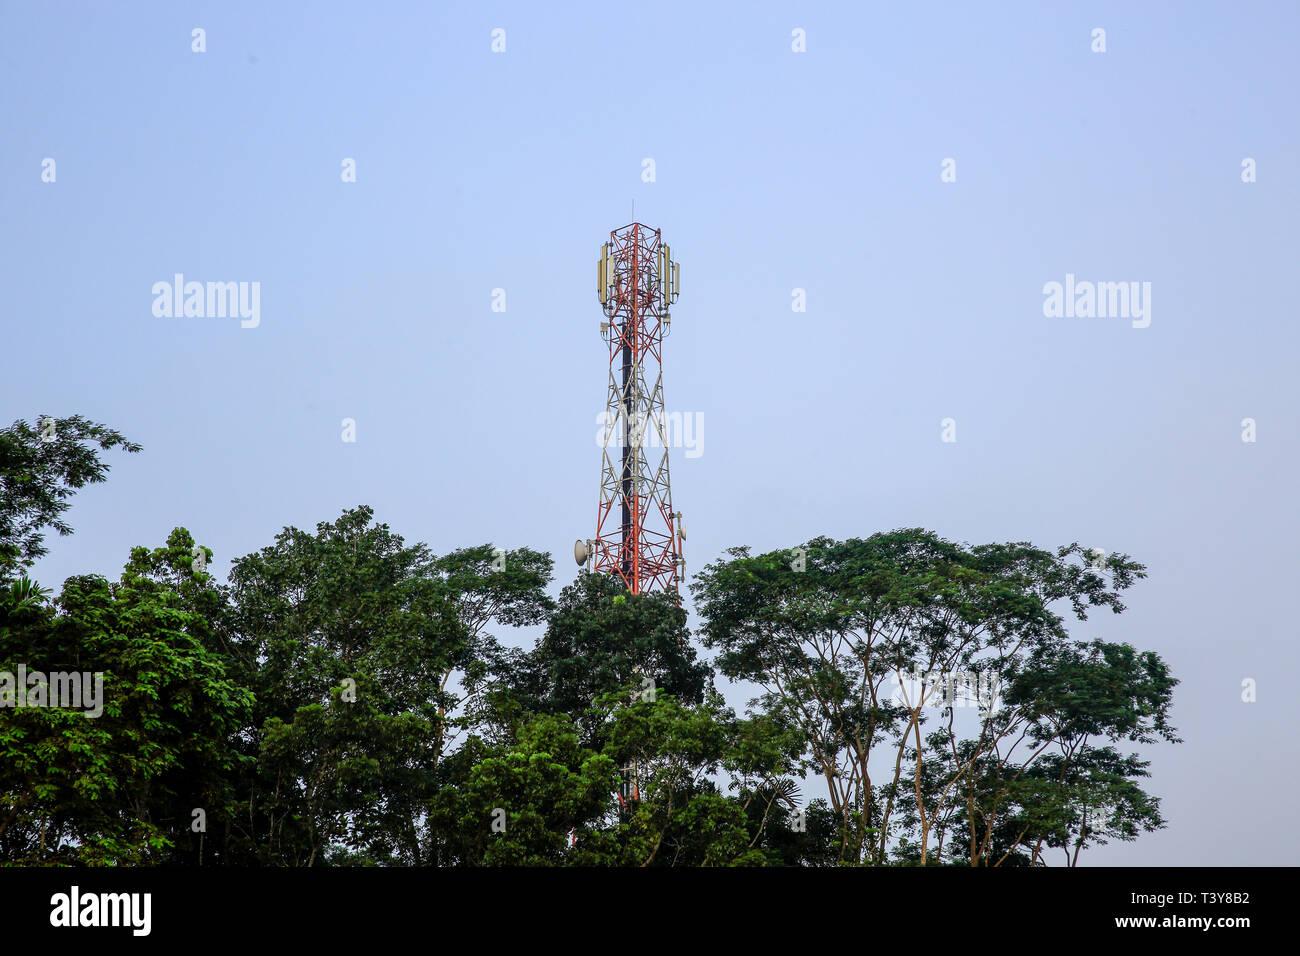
638, 535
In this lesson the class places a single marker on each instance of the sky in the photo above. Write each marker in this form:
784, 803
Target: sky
916, 175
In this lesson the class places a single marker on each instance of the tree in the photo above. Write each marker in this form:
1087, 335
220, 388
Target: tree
672, 811
517, 804
657, 793
343, 701
40, 467
1035, 779
352, 641
822, 636
599, 639
119, 787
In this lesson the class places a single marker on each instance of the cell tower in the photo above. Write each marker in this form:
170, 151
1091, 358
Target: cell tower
636, 281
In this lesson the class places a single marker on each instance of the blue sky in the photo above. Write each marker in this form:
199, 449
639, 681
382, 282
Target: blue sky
774, 171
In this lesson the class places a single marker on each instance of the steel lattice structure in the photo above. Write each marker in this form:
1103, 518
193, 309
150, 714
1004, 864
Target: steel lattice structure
638, 535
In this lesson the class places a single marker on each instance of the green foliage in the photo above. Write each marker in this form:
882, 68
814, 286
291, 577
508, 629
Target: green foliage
825, 636
343, 701
599, 639
115, 788
517, 804
353, 642
40, 467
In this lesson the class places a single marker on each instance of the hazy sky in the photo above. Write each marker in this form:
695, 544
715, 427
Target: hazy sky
773, 171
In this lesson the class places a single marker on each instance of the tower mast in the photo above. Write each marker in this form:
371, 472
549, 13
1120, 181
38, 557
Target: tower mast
637, 280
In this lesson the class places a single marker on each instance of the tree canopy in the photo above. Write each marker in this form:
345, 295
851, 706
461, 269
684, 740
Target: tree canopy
348, 698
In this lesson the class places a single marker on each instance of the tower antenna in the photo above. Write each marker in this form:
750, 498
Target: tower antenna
636, 282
